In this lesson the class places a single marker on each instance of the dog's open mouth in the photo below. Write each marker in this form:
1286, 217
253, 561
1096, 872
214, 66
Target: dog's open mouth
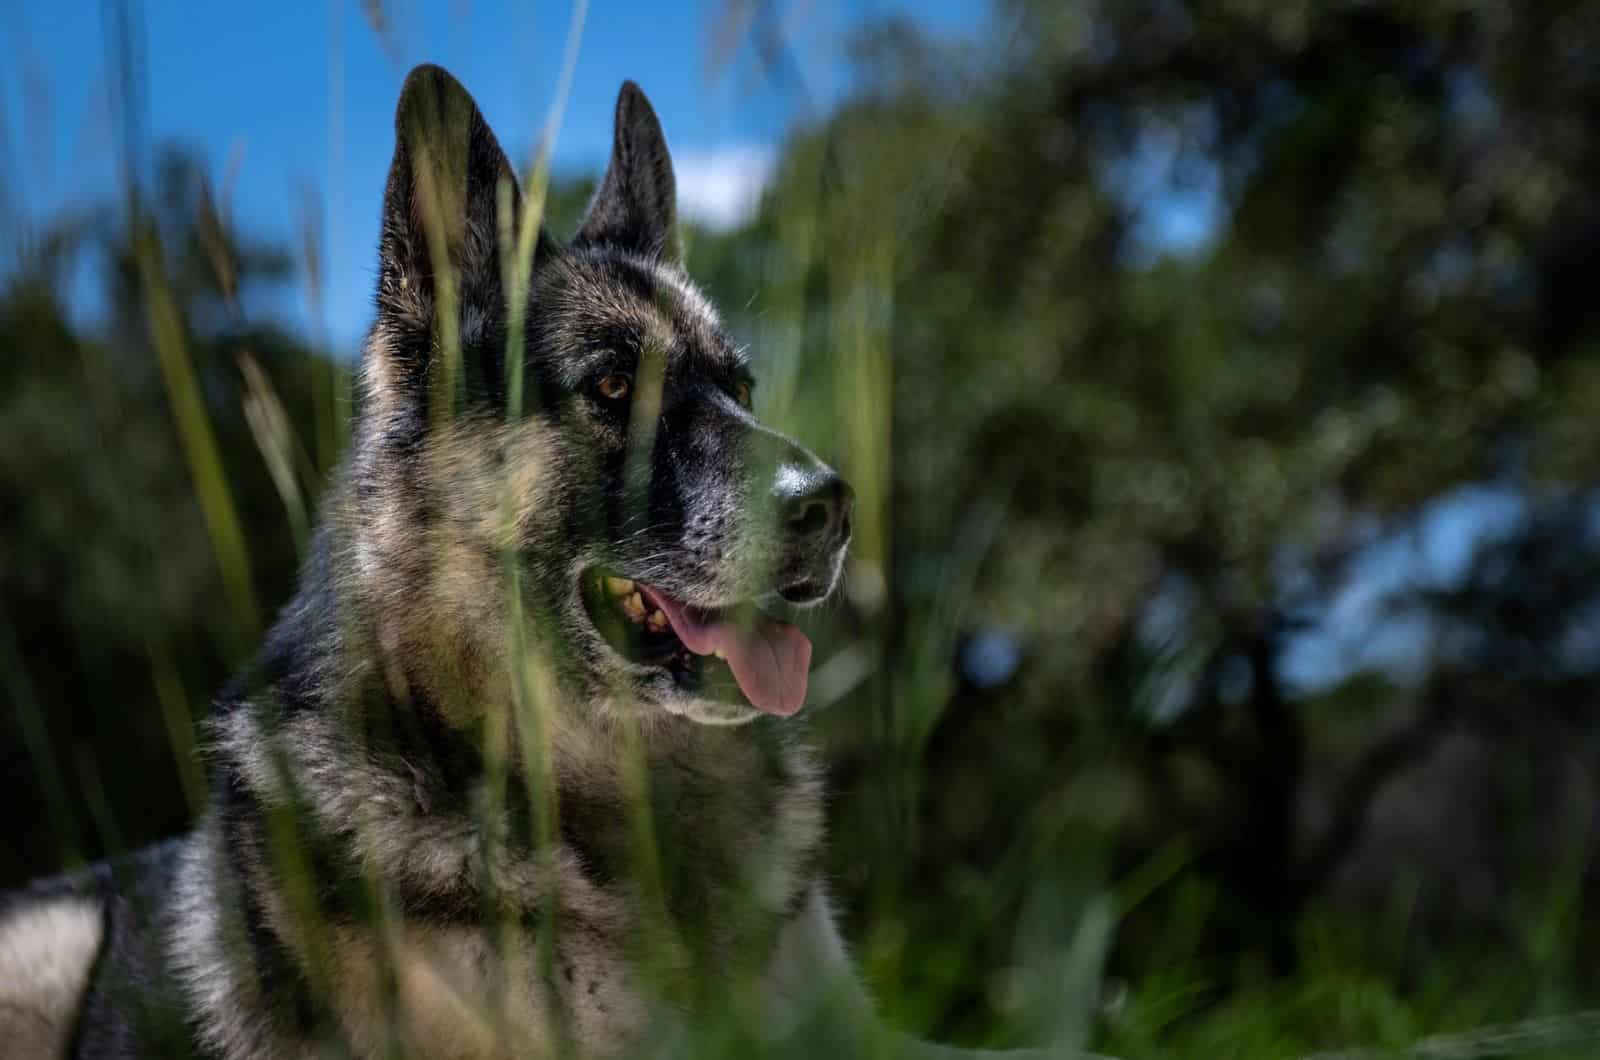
733, 654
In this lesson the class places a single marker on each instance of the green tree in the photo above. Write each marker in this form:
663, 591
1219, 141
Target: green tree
118, 631
1176, 317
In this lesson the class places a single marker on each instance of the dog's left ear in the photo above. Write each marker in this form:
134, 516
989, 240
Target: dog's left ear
636, 208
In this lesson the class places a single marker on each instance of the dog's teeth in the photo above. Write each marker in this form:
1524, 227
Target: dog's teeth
718, 653
618, 586
633, 607
657, 621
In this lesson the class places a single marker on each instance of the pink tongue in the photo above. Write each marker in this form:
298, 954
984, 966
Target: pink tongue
771, 662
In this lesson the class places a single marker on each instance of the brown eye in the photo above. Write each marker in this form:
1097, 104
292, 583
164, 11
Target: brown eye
741, 394
615, 386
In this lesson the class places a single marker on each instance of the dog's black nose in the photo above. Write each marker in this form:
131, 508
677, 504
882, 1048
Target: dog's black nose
815, 506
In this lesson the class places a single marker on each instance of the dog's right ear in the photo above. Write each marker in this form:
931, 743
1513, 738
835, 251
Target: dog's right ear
441, 211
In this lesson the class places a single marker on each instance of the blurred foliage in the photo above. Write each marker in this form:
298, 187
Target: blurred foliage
1219, 334
111, 587
1219, 382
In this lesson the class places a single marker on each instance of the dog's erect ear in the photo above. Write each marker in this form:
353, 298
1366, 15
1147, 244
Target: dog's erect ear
441, 210
636, 207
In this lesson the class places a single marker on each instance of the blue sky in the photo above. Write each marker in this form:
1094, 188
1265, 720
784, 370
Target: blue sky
288, 96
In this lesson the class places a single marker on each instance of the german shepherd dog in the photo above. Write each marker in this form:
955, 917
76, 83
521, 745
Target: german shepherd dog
511, 775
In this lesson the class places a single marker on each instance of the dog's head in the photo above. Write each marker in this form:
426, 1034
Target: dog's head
573, 421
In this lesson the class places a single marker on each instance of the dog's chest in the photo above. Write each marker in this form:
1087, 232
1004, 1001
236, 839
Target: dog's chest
671, 884
713, 843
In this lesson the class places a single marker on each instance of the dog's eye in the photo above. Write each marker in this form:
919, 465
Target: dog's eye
614, 387
741, 394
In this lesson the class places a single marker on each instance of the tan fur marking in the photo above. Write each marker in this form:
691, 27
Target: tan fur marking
444, 1004
46, 953
379, 376
437, 590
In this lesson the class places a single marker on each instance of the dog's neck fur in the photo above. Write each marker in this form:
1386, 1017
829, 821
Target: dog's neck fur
375, 762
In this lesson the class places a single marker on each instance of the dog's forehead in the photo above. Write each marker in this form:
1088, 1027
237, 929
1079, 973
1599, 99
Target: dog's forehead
614, 300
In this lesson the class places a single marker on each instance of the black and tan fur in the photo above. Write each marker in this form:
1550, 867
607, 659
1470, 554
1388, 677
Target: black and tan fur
447, 819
